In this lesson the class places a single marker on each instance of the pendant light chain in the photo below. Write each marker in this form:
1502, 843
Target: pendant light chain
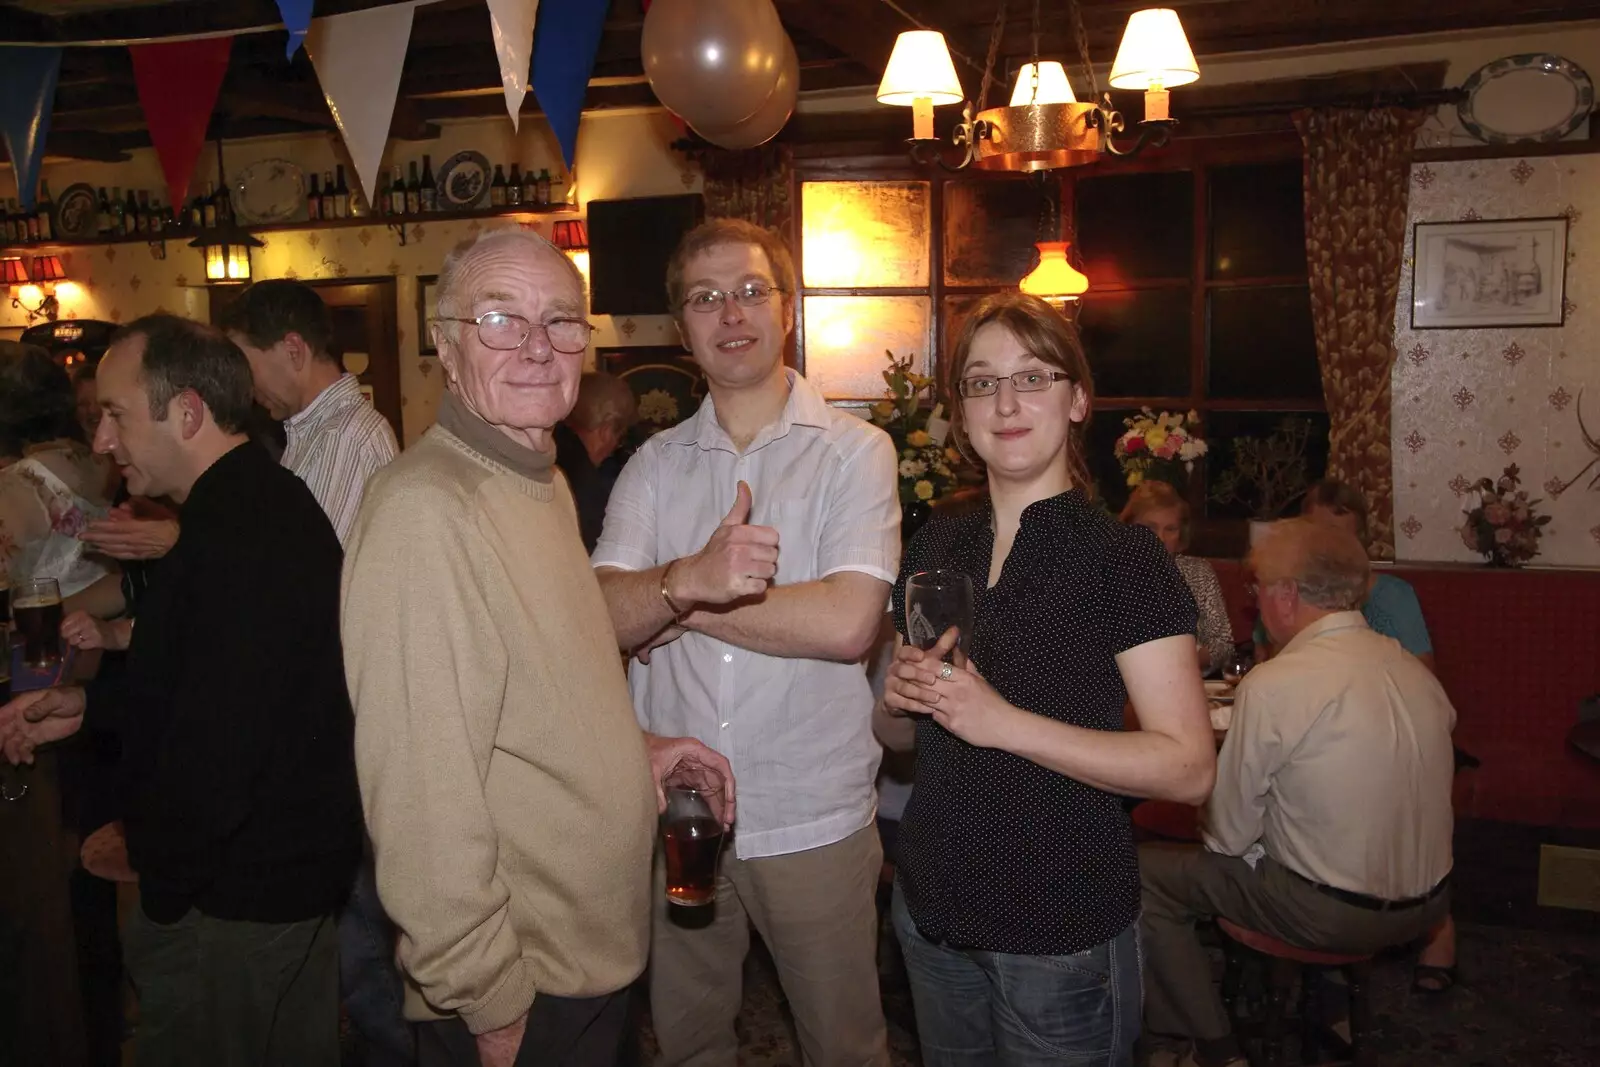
994, 51
1082, 36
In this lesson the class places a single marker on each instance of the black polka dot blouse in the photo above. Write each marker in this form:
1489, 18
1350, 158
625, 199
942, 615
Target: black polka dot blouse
996, 852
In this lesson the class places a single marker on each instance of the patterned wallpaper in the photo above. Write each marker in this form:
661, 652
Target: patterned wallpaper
1469, 402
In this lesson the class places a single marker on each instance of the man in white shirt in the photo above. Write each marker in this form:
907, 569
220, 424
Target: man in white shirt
1330, 824
337, 440
750, 638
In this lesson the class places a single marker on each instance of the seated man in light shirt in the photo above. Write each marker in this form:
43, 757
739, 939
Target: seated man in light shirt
1330, 824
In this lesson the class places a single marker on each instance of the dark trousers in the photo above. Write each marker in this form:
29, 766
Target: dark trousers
1182, 885
369, 980
223, 993
561, 1032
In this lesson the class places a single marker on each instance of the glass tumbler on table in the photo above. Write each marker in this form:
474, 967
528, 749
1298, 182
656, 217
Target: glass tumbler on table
692, 833
936, 601
36, 613
1237, 664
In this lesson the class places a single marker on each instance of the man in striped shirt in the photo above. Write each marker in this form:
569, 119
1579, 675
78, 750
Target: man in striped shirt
337, 440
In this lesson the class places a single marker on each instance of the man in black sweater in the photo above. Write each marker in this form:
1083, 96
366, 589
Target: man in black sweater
238, 788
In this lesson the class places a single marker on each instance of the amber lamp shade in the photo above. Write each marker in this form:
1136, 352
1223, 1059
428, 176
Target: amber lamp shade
1054, 278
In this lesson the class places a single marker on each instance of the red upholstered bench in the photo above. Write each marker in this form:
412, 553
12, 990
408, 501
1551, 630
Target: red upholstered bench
1516, 650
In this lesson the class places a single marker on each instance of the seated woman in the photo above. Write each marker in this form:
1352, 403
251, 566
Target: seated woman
1392, 609
1157, 506
1017, 895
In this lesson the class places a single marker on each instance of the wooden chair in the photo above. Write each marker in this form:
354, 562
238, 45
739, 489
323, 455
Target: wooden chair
1286, 963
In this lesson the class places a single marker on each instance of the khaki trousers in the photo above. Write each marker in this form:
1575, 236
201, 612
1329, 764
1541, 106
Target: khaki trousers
817, 912
1182, 885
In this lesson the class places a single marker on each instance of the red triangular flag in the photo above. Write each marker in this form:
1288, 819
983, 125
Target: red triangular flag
178, 84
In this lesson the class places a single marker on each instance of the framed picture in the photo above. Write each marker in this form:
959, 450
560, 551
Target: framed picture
1496, 272
667, 383
427, 287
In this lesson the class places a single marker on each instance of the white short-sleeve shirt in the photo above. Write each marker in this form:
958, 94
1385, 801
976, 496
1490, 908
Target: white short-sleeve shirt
798, 732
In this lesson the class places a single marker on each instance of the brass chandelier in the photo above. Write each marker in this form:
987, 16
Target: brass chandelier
1044, 127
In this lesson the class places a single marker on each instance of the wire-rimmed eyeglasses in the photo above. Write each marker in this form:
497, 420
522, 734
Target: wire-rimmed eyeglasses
505, 332
748, 295
1024, 381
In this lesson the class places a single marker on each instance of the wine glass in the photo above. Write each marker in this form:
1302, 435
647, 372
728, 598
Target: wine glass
1237, 664
936, 601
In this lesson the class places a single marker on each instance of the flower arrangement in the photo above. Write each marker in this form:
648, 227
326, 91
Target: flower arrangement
927, 467
1504, 527
1268, 473
1161, 446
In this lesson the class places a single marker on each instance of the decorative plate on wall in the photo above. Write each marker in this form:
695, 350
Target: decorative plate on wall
77, 213
464, 182
1532, 97
269, 190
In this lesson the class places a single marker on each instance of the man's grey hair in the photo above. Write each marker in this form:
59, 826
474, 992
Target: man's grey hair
449, 299
1329, 567
604, 400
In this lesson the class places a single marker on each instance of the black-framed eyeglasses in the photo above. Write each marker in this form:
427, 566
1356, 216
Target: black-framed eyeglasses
748, 295
505, 332
1024, 381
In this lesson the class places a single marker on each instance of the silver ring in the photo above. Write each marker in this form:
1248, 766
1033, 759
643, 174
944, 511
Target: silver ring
947, 672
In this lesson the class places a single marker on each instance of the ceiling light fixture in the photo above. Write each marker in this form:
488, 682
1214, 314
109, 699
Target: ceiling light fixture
1044, 127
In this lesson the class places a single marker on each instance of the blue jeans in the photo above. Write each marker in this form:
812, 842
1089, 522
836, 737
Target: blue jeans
369, 980
997, 1009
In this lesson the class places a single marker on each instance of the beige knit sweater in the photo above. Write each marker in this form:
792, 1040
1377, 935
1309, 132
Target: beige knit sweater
503, 774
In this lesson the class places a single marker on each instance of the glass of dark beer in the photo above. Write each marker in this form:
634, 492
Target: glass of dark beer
692, 829
936, 601
36, 613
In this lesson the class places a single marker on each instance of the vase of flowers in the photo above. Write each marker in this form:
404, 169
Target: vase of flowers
1159, 447
1504, 527
927, 468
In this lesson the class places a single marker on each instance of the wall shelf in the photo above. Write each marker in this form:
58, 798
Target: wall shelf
186, 234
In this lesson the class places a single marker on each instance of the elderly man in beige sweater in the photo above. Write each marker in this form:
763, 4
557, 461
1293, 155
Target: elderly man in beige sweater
509, 792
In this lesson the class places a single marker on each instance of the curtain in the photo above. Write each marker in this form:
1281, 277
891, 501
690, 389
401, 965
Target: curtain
753, 185
1357, 181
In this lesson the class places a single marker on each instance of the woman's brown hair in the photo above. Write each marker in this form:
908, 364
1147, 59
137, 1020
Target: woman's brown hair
1049, 337
1339, 498
1156, 495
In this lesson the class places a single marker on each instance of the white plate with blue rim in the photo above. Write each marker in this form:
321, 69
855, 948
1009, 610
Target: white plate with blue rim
463, 182
1536, 96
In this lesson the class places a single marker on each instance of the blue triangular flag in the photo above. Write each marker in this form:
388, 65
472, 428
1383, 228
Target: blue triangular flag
27, 96
296, 19
565, 42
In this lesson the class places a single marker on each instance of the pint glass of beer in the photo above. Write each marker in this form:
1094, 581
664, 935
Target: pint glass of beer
693, 836
36, 614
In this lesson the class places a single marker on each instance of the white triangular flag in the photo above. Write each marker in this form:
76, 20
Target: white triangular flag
512, 23
358, 57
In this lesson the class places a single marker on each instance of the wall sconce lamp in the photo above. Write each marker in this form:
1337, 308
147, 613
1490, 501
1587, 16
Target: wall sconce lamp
227, 251
32, 298
572, 237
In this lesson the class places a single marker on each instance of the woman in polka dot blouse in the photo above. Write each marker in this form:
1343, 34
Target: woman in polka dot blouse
1017, 897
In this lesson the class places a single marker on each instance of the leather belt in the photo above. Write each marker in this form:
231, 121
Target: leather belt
1362, 900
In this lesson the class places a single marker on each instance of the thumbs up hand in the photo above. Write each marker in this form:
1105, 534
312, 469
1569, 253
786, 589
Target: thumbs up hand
737, 561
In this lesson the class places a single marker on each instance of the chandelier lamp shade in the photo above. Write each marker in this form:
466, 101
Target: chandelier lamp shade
1044, 126
1055, 279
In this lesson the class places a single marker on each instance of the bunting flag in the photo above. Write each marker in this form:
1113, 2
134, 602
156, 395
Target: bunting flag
512, 22
358, 57
27, 96
296, 15
564, 48
178, 82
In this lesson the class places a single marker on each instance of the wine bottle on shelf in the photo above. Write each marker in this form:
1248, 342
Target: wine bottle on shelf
29, 225
208, 206
544, 188
102, 215
413, 191
497, 188
341, 195
514, 186
153, 217
396, 204
558, 195
327, 195
530, 187
314, 200
130, 214
430, 188
46, 212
